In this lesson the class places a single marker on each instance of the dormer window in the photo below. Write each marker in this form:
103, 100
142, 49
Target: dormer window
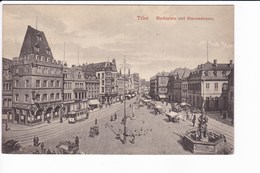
206, 73
215, 73
48, 51
224, 73
37, 49
39, 37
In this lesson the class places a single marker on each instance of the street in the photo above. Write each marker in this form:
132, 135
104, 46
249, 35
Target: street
153, 133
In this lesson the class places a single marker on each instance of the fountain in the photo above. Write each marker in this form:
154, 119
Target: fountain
203, 140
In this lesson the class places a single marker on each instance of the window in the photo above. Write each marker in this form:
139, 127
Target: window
26, 83
16, 97
26, 99
39, 69
65, 75
103, 75
215, 73
52, 96
58, 83
79, 76
57, 96
207, 85
16, 83
38, 97
216, 86
98, 75
38, 83
44, 84
103, 90
45, 70
44, 97
52, 83
103, 82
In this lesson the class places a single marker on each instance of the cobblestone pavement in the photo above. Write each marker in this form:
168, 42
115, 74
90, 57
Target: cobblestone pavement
153, 133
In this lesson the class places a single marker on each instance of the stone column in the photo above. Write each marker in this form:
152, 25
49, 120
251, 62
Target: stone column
52, 112
26, 119
42, 116
19, 117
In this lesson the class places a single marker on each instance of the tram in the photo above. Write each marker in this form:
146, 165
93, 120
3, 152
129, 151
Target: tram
76, 116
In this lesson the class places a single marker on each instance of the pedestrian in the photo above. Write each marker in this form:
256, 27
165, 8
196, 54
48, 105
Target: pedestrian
42, 146
34, 141
77, 141
6, 126
111, 118
133, 138
87, 115
95, 121
194, 120
115, 116
49, 151
61, 119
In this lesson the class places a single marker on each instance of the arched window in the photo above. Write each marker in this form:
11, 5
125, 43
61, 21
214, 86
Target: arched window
52, 96
57, 96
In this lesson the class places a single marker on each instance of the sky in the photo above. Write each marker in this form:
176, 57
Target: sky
104, 32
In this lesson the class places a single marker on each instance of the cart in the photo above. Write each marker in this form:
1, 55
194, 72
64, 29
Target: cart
173, 116
67, 147
94, 131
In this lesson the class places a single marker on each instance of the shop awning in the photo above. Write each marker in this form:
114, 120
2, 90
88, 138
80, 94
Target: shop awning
93, 102
162, 96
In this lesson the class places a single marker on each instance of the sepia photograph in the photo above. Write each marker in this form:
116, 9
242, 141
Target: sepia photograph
118, 79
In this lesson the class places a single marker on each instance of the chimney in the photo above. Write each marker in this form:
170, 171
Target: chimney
215, 61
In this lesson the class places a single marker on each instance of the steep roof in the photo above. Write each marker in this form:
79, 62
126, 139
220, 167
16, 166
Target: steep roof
181, 72
33, 40
100, 66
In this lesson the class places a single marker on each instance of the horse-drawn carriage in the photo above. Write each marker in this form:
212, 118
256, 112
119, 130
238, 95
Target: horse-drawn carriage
94, 131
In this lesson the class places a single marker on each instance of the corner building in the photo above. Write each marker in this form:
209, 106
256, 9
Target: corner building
37, 81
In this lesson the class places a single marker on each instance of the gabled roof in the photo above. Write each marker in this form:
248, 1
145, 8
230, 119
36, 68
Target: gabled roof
100, 66
182, 73
35, 39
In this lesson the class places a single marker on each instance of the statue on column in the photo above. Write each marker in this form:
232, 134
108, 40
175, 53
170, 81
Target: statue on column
202, 125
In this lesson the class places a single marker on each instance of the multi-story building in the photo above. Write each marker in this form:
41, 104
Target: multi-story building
209, 82
153, 87
177, 90
121, 88
37, 81
7, 89
158, 86
231, 94
75, 91
92, 86
136, 82
106, 72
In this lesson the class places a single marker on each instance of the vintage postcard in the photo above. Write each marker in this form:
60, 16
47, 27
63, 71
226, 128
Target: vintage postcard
118, 79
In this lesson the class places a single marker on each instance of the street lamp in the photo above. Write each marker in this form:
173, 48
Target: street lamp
124, 66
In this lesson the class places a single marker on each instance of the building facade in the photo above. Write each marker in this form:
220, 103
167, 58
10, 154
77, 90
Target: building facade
231, 94
106, 72
177, 90
208, 83
158, 86
37, 81
7, 89
75, 91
